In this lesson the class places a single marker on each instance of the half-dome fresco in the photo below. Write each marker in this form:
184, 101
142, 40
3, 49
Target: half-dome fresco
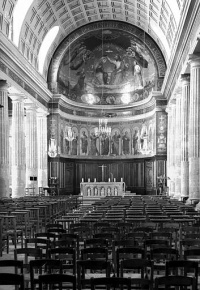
107, 67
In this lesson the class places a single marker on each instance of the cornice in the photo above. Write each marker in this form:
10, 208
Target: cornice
19, 70
141, 110
186, 35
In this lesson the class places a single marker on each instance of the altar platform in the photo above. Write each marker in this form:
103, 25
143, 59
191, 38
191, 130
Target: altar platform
102, 189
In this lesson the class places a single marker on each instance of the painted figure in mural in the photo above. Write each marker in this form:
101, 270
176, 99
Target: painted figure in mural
84, 143
80, 85
66, 146
93, 145
117, 74
104, 144
75, 145
115, 143
101, 77
125, 143
137, 73
135, 143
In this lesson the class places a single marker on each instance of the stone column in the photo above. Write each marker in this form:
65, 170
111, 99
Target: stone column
194, 134
42, 149
169, 145
4, 140
184, 134
172, 148
31, 148
18, 146
177, 147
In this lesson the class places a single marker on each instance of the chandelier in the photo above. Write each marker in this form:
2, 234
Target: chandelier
103, 128
69, 135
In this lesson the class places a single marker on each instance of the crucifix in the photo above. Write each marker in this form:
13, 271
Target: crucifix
102, 167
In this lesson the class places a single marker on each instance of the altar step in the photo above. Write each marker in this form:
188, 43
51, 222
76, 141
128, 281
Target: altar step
129, 193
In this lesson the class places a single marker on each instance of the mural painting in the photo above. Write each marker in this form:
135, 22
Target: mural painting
107, 67
127, 141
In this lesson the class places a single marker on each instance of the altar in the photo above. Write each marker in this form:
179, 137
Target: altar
102, 189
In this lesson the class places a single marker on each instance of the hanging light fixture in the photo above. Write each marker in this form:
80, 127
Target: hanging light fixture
103, 129
69, 134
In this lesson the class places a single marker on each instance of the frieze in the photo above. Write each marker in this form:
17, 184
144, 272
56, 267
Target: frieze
16, 78
3, 67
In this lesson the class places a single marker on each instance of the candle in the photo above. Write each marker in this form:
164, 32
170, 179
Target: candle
108, 179
95, 180
121, 179
88, 179
82, 179
114, 179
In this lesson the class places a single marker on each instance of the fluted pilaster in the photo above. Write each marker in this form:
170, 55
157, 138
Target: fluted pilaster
18, 146
185, 101
4, 140
194, 119
172, 148
169, 146
31, 147
177, 147
42, 149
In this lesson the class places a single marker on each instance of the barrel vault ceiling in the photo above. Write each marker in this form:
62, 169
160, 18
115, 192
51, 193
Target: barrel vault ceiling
158, 18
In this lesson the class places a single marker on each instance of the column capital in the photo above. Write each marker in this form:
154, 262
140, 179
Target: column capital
194, 59
41, 113
185, 78
30, 106
17, 97
178, 96
4, 85
168, 110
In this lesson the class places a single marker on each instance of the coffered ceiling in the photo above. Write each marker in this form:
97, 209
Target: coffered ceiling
158, 18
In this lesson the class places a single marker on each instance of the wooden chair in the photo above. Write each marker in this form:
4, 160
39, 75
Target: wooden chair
139, 270
12, 266
160, 256
95, 242
86, 269
182, 267
67, 256
111, 282
94, 253
43, 244
188, 244
178, 281
127, 253
57, 281
10, 230
26, 255
46, 235
41, 267
54, 226
71, 239
150, 244
12, 279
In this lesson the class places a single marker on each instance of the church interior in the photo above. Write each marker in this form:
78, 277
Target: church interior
99, 126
